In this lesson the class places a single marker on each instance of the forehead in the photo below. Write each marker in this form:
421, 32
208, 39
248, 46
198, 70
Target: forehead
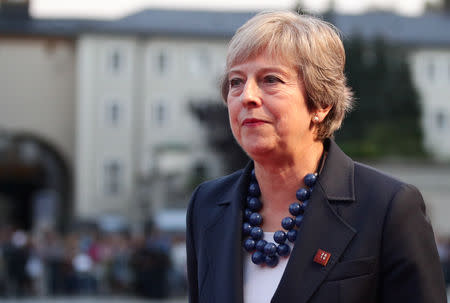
264, 59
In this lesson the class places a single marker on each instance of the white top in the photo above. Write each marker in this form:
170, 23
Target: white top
260, 282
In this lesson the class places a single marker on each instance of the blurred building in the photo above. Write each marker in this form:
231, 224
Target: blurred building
136, 79
37, 117
112, 97
427, 42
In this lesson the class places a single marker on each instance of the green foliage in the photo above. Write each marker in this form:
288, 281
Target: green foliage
213, 115
197, 175
439, 6
386, 117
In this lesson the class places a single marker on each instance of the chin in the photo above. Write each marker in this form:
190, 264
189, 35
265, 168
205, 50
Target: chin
257, 150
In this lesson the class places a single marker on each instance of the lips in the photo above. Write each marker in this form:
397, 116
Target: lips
252, 122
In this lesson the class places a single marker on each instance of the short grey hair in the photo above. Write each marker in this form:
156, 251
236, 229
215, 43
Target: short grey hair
310, 44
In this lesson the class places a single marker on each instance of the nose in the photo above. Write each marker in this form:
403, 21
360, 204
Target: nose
250, 95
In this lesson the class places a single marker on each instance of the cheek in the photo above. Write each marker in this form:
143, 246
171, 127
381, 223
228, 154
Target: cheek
233, 116
233, 113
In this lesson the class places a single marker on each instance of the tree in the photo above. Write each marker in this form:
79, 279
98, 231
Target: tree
386, 118
213, 115
299, 7
440, 6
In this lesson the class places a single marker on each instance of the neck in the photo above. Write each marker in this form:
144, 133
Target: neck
286, 170
280, 180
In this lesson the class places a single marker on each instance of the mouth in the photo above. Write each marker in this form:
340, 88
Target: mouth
252, 122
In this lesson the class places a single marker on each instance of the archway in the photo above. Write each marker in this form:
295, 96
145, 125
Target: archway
35, 183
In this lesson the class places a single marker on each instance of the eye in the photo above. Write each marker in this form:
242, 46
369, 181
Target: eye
271, 79
235, 82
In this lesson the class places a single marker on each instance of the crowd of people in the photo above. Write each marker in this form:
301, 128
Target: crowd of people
90, 262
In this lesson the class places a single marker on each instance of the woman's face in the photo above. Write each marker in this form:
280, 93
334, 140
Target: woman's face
267, 107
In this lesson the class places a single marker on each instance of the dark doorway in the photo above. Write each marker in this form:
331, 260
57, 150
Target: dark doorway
18, 183
30, 167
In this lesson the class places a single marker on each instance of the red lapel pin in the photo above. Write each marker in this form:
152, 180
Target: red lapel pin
322, 257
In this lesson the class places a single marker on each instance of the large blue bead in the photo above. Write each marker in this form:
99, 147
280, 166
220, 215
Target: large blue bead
298, 220
283, 250
254, 204
260, 245
292, 235
254, 190
304, 205
279, 236
270, 249
246, 228
249, 245
256, 219
247, 214
271, 261
303, 194
295, 209
256, 233
288, 223
258, 257
310, 180
253, 174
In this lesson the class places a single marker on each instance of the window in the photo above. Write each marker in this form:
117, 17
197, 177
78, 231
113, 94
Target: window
162, 62
113, 113
115, 61
160, 113
441, 120
112, 177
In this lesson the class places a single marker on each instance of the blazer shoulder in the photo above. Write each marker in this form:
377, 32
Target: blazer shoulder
216, 189
381, 188
377, 178
208, 198
221, 184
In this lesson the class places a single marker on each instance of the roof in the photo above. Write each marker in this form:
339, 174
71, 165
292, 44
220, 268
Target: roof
46, 27
429, 29
181, 22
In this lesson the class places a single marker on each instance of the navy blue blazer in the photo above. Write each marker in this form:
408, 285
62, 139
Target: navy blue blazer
381, 242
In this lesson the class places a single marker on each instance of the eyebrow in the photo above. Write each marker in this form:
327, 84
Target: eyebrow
263, 70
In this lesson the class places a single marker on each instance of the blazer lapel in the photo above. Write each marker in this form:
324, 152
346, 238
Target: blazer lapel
322, 228
225, 256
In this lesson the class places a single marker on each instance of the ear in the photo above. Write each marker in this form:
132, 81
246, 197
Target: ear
320, 113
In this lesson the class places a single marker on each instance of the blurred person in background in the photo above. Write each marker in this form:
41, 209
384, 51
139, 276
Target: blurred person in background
302, 222
121, 276
16, 253
35, 269
49, 247
5, 234
177, 276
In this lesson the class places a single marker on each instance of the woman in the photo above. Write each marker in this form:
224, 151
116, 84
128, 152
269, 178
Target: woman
302, 222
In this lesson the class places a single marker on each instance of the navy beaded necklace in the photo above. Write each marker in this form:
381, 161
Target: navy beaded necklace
267, 253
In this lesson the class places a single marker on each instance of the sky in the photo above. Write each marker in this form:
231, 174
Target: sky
116, 8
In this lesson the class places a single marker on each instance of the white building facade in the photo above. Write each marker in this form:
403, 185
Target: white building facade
134, 122
431, 74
